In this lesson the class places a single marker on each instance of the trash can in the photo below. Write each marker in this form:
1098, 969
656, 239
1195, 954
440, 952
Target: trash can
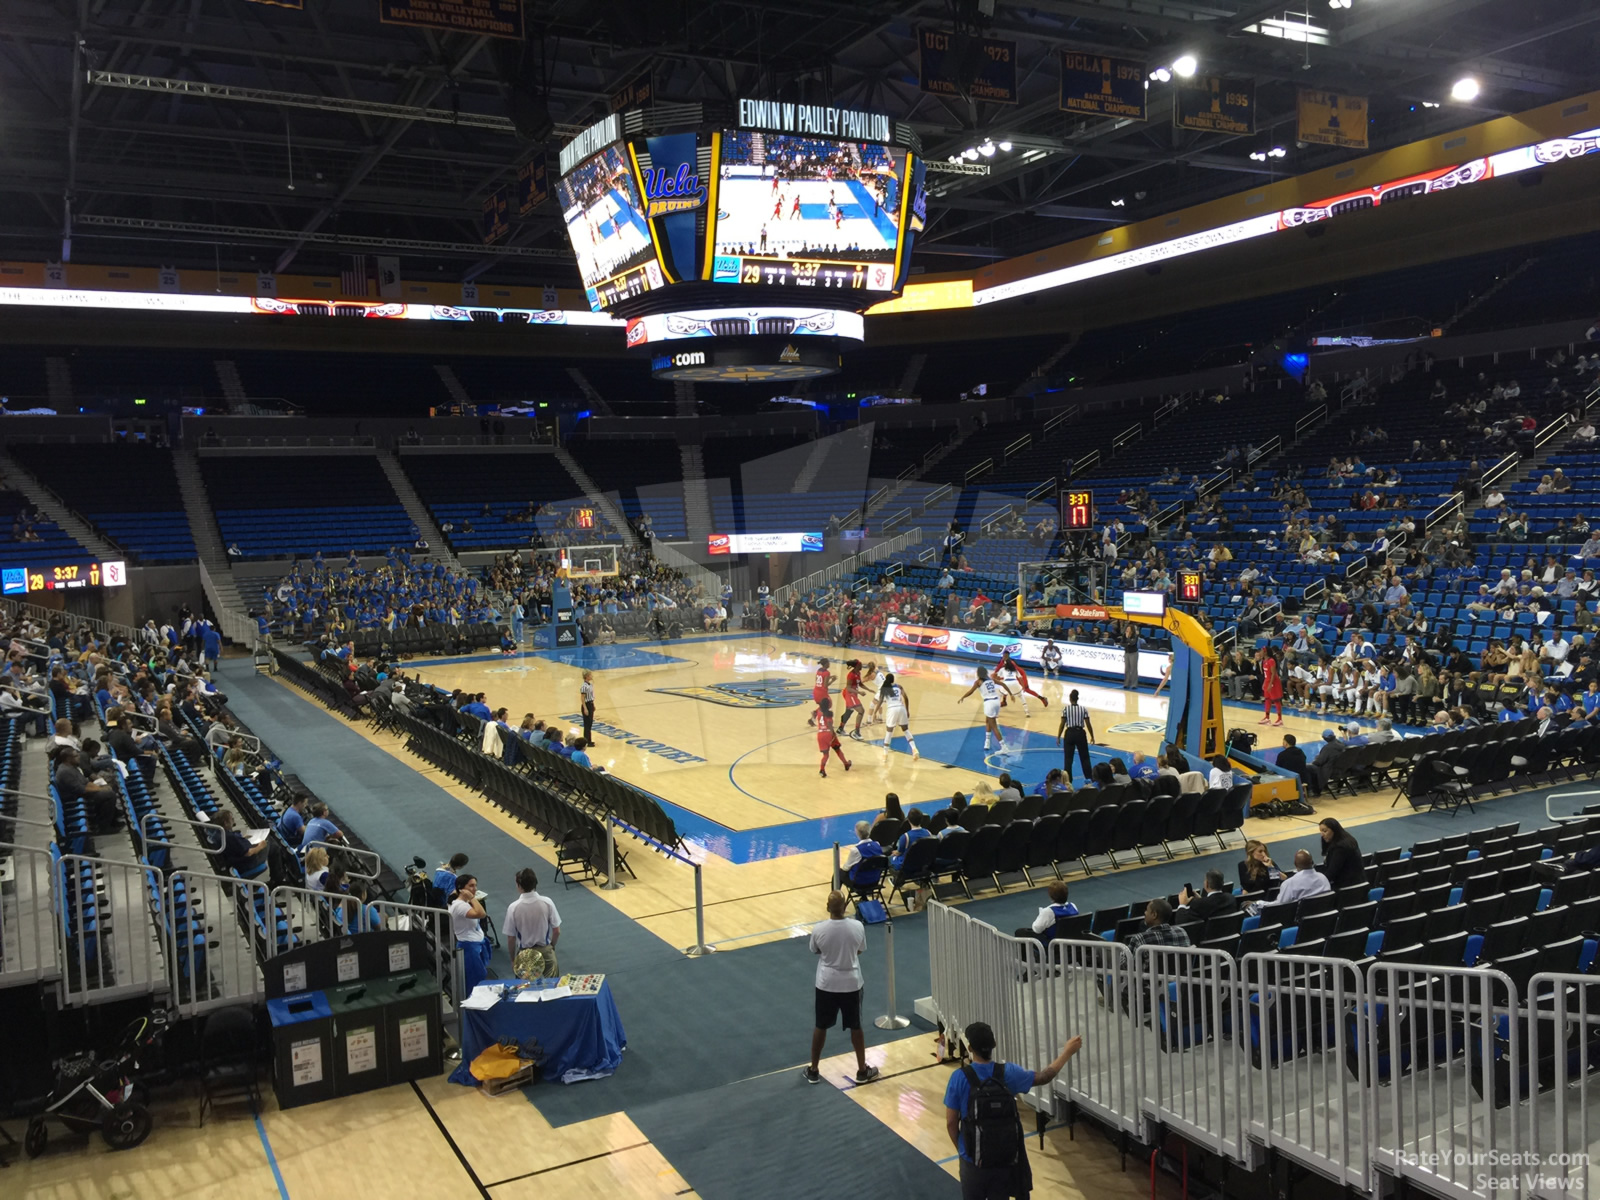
360, 1061
302, 1049
413, 1043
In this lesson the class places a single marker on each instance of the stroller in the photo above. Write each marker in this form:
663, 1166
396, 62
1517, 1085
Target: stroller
92, 1093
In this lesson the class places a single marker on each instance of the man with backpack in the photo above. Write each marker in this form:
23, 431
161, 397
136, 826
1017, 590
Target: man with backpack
980, 1112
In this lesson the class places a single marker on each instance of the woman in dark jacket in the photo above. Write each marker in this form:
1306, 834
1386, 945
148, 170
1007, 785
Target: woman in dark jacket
1341, 856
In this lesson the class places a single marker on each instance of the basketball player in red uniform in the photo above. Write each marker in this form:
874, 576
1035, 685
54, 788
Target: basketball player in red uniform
777, 209
1007, 663
1271, 688
852, 700
795, 211
826, 739
819, 688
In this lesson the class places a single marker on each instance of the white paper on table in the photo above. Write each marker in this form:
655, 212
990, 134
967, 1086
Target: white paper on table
555, 993
531, 995
482, 998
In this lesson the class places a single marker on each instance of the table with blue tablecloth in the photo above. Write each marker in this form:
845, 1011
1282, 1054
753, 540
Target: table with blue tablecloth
581, 1036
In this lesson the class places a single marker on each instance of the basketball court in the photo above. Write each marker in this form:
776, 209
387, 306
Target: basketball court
715, 726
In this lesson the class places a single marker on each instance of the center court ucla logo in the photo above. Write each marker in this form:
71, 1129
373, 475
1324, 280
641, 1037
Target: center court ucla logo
755, 693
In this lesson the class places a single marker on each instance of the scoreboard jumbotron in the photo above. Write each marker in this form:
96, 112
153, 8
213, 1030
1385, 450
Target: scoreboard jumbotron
761, 230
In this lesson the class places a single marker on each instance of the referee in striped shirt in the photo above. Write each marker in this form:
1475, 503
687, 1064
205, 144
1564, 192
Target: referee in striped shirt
1076, 730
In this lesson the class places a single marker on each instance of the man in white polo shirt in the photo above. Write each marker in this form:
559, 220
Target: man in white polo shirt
838, 942
532, 928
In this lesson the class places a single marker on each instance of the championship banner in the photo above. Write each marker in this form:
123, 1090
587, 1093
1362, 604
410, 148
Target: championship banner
1075, 656
1102, 86
1333, 119
1214, 105
988, 64
633, 94
496, 216
533, 184
495, 18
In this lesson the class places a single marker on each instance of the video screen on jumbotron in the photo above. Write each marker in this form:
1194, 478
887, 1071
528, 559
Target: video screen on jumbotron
808, 211
605, 223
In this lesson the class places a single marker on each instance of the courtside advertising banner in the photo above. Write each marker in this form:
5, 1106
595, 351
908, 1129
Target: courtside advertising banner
1075, 656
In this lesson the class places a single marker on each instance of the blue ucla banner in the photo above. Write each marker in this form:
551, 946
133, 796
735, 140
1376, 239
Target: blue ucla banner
673, 190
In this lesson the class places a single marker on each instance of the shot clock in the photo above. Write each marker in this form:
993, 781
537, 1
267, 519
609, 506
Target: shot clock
1190, 587
1077, 510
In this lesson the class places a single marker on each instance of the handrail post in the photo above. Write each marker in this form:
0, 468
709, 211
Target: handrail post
890, 1019
836, 872
699, 949
612, 883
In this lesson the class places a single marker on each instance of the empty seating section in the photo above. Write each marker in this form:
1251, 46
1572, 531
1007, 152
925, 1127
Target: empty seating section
644, 474
372, 383
154, 375
487, 490
24, 542
276, 506
129, 493
1000, 364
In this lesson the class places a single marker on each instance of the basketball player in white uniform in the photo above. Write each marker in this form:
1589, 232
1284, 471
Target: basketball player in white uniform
896, 715
994, 697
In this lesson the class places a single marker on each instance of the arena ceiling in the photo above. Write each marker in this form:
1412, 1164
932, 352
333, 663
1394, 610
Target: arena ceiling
194, 132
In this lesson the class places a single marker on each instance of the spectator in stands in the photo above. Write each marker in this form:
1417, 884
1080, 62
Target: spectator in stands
62, 737
319, 828
1214, 901
466, 921
916, 833
292, 824
1258, 872
865, 848
444, 877
1044, 924
97, 795
1293, 759
1158, 928
316, 869
238, 855
1304, 883
579, 754
1341, 855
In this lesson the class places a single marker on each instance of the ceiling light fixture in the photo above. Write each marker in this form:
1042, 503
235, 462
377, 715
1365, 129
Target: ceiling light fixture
1161, 75
987, 149
1006, 146
1119, 202
1465, 89
1258, 156
1185, 65
1277, 152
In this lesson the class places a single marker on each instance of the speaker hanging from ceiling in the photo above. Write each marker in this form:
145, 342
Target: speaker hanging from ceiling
519, 66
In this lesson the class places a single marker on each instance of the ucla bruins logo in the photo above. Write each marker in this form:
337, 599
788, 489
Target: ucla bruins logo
754, 693
1140, 727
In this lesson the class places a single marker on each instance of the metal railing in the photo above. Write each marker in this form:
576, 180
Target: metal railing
977, 472
842, 568
1266, 450
210, 966
1210, 487
1060, 419
1552, 431
1355, 568
1502, 468
1309, 421
101, 629
1128, 436
1044, 489
27, 947
702, 577
1087, 463
1443, 512
104, 938
1438, 1075
1016, 447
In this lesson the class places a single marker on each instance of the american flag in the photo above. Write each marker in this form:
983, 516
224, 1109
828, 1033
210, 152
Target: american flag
354, 278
